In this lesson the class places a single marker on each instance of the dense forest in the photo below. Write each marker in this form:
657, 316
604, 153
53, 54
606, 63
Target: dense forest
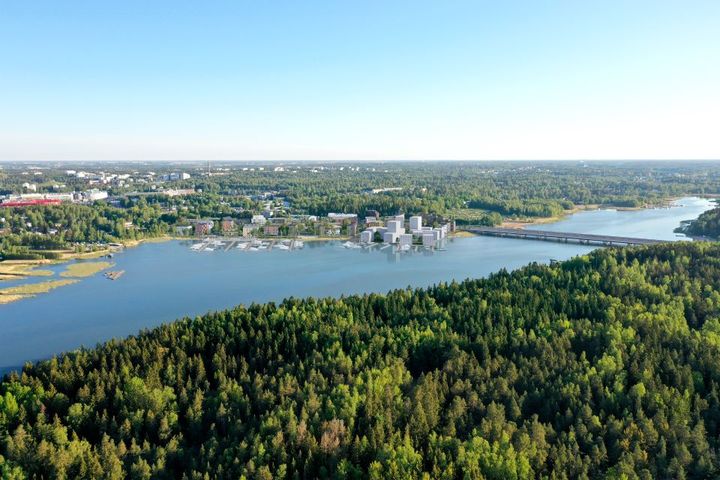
522, 189
706, 225
33, 232
604, 366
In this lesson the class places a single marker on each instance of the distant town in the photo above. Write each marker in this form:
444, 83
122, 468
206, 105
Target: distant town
59, 210
393, 230
199, 201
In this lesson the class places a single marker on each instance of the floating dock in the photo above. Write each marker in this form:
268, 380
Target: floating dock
114, 275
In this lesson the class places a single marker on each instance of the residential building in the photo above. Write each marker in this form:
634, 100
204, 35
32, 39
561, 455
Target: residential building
395, 226
342, 217
405, 239
390, 237
227, 224
272, 230
352, 228
248, 229
367, 236
203, 227
183, 230
415, 223
258, 220
94, 194
428, 240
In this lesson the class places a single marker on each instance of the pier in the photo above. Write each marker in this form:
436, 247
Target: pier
563, 237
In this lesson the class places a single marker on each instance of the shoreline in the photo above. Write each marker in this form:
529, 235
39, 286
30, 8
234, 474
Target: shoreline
24, 269
585, 208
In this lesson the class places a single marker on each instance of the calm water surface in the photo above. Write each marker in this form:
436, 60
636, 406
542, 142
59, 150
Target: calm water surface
166, 281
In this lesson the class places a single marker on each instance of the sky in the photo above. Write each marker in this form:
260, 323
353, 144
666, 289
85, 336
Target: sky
359, 80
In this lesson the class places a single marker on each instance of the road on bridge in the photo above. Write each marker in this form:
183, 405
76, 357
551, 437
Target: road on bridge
549, 236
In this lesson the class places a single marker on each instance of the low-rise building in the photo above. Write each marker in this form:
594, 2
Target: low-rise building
272, 230
183, 230
203, 227
352, 228
372, 213
367, 236
342, 217
94, 194
227, 224
248, 229
258, 220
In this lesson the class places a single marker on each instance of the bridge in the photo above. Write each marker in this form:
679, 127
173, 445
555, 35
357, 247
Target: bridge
564, 237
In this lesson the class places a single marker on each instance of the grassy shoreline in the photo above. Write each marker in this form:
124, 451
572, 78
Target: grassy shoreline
85, 269
13, 294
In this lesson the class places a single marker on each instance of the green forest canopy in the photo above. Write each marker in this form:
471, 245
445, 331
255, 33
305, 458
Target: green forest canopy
604, 366
706, 225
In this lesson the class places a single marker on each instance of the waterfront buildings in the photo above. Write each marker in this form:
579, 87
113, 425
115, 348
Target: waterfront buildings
366, 236
227, 224
248, 229
203, 227
405, 240
258, 220
394, 232
271, 230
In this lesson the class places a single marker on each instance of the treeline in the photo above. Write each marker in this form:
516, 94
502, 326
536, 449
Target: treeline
33, 232
706, 225
605, 366
516, 207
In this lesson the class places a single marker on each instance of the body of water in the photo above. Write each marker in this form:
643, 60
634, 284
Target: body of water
166, 281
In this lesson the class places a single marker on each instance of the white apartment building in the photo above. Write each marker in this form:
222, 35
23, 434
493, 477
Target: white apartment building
390, 237
406, 239
395, 226
258, 220
415, 223
366, 236
428, 240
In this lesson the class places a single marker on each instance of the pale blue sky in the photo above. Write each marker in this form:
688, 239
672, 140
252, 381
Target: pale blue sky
359, 80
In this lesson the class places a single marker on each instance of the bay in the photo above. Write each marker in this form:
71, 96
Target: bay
166, 281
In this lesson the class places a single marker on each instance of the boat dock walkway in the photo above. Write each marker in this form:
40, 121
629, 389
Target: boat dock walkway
564, 237
212, 243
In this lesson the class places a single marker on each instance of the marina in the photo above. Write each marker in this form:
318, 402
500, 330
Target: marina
225, 244
185, 278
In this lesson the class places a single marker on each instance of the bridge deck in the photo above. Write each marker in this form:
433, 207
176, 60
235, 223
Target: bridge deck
562, 236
